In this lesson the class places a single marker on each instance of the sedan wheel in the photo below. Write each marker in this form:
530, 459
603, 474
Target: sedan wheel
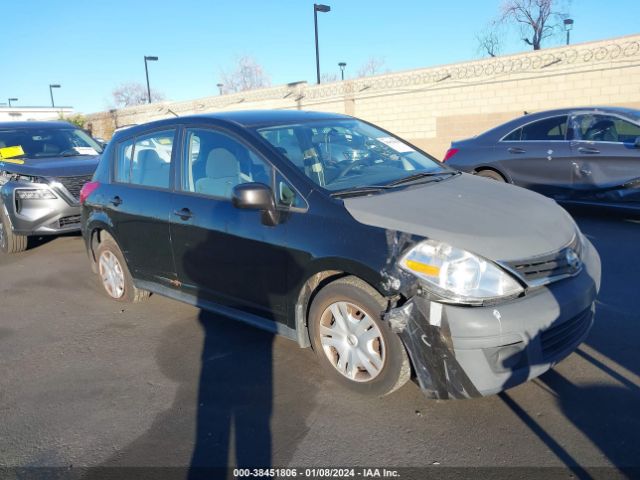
491, 174
114, 273
353, 343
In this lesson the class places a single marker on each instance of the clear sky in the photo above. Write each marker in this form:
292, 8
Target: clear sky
89, 47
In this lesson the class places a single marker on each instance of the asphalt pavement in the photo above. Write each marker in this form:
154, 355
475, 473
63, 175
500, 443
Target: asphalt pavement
87, 382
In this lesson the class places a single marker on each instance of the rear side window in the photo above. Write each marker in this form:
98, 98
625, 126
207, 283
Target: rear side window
146, 160
549, 129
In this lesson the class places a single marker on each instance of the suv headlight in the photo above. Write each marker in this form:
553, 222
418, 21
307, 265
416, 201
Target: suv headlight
459, 276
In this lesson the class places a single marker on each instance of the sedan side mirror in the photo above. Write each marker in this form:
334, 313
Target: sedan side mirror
637, 142
256, 196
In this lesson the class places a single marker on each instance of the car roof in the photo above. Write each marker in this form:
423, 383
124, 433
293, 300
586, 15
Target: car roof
242, 118
33, 125
503, 129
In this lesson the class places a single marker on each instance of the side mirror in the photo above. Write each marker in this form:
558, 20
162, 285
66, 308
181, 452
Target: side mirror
256, 196
637, 142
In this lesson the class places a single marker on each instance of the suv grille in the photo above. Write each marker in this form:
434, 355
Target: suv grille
546, 268
558, 338
74, 184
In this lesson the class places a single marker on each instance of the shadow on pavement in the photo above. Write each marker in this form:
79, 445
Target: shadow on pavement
606, 414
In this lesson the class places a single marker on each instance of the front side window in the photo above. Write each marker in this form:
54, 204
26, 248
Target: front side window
603, 128
146, 160
341, 154
549, 129
215, 163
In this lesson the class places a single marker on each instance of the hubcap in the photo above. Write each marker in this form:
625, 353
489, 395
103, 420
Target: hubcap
352, 341
111, 274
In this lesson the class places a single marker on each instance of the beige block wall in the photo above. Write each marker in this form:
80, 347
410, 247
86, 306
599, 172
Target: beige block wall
433, 106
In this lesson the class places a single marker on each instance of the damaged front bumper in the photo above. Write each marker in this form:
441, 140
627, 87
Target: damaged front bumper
50, 216
464, 352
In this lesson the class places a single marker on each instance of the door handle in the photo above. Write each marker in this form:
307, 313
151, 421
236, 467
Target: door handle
184, 214
516, 150
116, 201
589, 150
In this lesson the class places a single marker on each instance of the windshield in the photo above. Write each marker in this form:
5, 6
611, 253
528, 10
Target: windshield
346, 154
50, 142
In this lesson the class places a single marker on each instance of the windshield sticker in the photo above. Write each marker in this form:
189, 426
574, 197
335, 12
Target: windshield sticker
10, 152
396, 144
85, 150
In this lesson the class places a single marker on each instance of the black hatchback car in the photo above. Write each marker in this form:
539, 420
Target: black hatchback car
585, 156
341, 236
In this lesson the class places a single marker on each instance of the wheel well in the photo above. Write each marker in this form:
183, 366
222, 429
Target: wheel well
482, 169
309, 290
97, 236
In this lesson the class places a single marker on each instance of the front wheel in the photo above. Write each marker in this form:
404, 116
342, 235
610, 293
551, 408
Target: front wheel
114, 273
10, 242
354, 346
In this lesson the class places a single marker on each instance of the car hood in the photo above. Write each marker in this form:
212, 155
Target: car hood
52, 166
496, 220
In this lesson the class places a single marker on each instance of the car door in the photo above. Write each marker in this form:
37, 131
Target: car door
224, 254
605, 153
537, 156
140, 204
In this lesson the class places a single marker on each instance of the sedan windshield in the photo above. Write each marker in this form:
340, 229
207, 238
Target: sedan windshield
350, 154
50, 142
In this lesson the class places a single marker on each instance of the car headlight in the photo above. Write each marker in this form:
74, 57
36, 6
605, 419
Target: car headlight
35, 194
17, 177
458, 276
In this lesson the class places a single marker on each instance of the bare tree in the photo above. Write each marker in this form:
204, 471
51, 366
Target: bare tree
489, 41
537, 19
248, 74
329, 77
130, 94
372, 66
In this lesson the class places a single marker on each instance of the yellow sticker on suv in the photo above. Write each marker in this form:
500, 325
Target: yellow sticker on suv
9, 152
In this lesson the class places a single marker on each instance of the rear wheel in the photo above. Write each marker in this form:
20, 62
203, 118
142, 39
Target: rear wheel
10, 242
354, 346
491, 174
114, 273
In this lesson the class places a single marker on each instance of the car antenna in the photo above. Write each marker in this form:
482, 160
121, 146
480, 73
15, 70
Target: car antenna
172, 112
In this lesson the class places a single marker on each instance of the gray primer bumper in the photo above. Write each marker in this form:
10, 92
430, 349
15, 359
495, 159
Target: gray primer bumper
463, 352
39, 217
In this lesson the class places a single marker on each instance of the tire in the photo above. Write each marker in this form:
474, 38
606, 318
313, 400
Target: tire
10, 242
114, 274
373, 360
492, 175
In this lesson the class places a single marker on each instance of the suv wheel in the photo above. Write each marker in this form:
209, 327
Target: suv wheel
10, 242
353, 344
114, 273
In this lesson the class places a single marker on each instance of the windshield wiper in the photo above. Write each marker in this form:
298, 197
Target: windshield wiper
418, 176
355, 191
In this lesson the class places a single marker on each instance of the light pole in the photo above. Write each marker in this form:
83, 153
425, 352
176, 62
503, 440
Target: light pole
146, 71
220, 85
51, 87
568, 26
324, 9
342, 65
12, 100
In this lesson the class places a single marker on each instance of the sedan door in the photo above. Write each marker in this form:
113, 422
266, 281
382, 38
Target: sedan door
537, 156
225, 255
140, 201
605, 156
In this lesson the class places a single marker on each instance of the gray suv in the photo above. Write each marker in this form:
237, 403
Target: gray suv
43, 166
